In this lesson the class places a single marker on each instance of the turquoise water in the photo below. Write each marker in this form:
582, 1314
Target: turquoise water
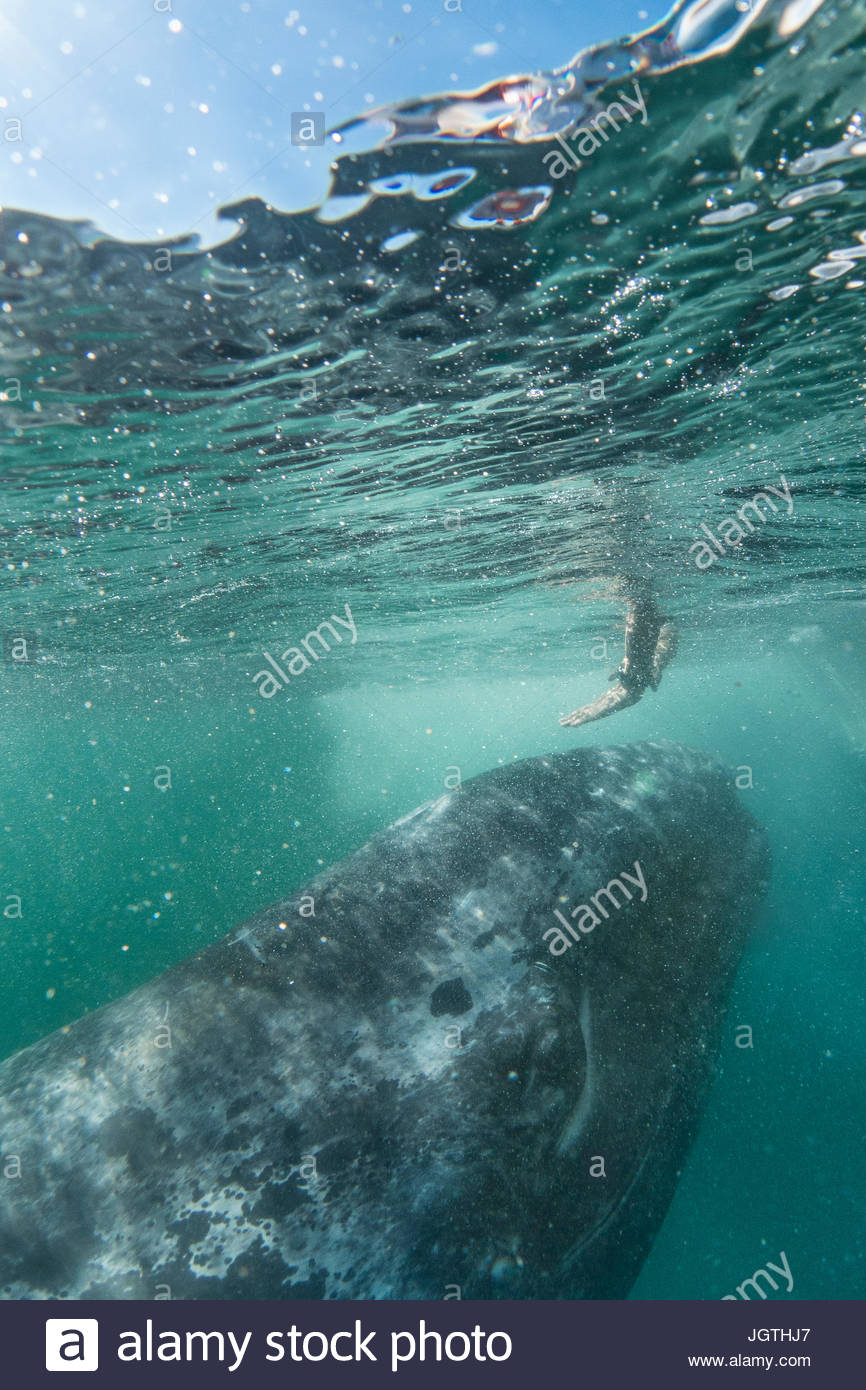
203, 463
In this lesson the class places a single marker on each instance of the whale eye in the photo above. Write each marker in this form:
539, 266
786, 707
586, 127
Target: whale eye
451, 997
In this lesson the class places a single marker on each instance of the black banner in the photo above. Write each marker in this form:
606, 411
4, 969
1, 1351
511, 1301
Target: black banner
497, 1344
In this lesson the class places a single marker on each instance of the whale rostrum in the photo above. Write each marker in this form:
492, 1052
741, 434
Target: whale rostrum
389, 1085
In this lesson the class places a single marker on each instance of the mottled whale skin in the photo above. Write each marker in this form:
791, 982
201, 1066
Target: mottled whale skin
405, 1095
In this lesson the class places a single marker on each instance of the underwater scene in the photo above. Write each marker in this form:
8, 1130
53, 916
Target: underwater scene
434, 652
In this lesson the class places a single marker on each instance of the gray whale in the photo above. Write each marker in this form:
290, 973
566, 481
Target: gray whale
399, 1083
